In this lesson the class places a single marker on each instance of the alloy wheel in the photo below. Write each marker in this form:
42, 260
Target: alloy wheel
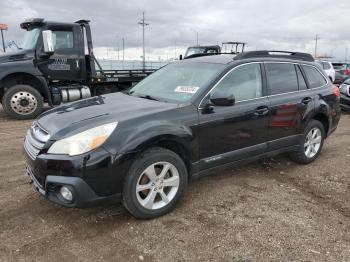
313, 142
157, 185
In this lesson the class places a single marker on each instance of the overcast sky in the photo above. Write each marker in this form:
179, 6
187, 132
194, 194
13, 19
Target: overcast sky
269, 24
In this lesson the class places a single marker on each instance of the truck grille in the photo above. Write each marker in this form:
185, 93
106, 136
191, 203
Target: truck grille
35, 140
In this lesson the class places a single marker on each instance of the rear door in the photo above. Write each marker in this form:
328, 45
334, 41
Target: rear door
291, 102
231, 133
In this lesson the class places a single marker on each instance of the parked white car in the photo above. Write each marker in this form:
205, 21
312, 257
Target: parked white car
328, 68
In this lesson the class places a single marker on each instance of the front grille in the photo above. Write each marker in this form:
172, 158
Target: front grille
35, 140
36, 179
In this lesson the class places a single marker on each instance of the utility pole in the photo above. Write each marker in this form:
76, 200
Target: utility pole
143, 24
196, 32
316, 42
123, 44
346, 53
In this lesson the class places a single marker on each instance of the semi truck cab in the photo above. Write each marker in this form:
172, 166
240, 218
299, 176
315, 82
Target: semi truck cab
56, 64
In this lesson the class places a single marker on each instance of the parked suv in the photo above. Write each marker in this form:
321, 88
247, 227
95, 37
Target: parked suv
342, 72
328, 68
187, 119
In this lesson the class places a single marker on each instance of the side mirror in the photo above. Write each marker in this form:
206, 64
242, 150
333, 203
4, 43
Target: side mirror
180, 57
221, 98
48, 42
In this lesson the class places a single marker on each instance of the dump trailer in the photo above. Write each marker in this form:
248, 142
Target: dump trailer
55, 65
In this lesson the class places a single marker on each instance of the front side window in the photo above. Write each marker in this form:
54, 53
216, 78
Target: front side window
62, 39
177, 82
281, 77
314, 77
244, 82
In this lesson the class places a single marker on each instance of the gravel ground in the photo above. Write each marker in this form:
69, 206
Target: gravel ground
271, 210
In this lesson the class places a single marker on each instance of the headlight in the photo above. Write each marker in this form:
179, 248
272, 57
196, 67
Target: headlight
84, 141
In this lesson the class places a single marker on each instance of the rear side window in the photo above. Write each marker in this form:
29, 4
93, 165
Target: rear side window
281, 77
314, 77
326, 66
301, 80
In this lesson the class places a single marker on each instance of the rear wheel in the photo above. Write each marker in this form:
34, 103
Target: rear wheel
22, 102
311, 144
154, 184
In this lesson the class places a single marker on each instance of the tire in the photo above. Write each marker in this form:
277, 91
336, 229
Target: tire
30, 97
302, 155
139, 203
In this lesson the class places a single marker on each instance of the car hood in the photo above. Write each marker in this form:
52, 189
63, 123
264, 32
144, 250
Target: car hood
16, 56
78, 116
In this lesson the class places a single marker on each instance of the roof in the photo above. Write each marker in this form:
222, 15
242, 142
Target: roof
215, 59
283, 56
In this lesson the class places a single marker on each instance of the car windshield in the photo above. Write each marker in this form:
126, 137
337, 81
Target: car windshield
30, 38
176, 82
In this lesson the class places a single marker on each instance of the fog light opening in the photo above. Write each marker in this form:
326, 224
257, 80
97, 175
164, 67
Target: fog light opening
66, 193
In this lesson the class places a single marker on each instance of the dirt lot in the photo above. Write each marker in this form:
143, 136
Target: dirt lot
272, 210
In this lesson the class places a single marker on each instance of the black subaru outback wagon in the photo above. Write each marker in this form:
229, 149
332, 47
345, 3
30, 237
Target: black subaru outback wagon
187, 119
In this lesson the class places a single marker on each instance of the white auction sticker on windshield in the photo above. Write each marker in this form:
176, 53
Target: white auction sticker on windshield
187, 89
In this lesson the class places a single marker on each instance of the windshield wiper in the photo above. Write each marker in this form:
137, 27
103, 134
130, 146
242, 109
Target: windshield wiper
148, 97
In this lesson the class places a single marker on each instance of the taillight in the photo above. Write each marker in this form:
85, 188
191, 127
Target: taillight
336, 91
346, 72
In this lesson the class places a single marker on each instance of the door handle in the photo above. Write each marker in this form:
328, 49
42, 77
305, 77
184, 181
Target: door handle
306, 100
261, 111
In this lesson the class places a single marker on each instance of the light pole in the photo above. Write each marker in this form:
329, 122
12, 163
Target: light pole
143, 24
316, 42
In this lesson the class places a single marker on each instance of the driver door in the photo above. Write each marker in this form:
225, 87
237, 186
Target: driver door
233, 133
68, 59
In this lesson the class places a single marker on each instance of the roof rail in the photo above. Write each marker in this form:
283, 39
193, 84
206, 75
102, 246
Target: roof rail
275, 54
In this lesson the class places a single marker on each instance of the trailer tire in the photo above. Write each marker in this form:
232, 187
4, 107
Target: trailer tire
22, 102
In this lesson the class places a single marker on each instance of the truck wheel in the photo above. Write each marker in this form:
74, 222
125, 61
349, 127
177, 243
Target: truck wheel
22, 102
311, 143
154, 184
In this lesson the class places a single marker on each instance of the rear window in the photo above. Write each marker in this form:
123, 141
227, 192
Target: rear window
314, 77
282, 78
339, 66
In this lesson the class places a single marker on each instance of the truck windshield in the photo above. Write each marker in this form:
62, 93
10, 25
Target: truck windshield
194, 50
30, 38
176, 82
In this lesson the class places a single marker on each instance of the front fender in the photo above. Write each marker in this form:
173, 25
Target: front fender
131, 140
22, 66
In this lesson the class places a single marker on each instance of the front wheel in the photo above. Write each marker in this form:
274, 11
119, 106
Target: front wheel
311, 144
154, 184
22, 102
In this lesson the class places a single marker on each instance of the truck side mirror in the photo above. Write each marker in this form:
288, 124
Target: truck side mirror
48, 42
180, 57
